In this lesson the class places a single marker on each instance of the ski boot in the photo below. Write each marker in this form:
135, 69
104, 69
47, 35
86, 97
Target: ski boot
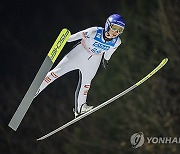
84, 108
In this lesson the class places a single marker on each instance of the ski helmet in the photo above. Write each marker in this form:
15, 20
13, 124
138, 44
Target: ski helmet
115, 22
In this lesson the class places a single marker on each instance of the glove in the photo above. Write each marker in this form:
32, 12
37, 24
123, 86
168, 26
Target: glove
105, 63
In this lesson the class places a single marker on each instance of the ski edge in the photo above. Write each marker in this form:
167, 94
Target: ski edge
164, 61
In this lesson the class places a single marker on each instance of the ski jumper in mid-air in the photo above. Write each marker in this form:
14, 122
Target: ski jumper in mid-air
96, 44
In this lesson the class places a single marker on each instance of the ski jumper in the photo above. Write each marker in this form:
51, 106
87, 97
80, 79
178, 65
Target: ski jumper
85, 57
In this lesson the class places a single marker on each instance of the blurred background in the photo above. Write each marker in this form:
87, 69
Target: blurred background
27, 31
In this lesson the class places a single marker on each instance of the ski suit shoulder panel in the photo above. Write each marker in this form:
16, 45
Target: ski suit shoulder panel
84, 34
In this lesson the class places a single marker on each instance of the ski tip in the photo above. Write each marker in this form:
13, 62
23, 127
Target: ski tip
165, 60
65, 29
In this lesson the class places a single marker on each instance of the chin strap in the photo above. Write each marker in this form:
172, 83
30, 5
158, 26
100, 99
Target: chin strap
105, 38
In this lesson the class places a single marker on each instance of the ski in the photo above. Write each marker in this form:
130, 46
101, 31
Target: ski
164, 61
44, 69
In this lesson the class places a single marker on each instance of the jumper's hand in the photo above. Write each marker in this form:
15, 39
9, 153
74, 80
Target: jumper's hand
105, 63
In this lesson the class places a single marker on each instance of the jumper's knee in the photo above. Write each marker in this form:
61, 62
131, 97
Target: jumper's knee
50, 77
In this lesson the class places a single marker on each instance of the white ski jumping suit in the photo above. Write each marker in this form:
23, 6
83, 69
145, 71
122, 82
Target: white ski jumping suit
85, 57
